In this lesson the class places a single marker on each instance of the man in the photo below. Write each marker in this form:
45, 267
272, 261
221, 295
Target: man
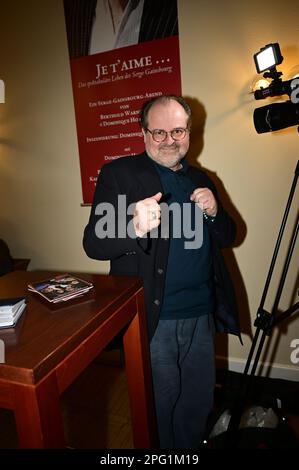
186, 286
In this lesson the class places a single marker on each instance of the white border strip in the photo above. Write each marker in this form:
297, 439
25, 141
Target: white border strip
2, 92
265, 369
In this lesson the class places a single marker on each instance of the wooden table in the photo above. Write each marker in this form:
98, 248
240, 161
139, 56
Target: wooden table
54, 344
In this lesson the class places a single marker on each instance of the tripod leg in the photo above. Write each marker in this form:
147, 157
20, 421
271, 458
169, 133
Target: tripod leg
264, 322
286, 267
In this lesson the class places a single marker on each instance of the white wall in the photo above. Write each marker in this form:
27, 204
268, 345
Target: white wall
40, 187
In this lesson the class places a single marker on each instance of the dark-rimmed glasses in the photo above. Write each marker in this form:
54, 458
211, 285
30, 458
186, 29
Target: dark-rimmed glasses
159, 135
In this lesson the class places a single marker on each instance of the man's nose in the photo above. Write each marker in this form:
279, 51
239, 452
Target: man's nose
169, 139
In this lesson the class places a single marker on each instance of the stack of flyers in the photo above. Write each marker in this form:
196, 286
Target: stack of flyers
61, 288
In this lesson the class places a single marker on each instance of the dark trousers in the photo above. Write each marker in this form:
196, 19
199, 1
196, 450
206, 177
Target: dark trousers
183, 369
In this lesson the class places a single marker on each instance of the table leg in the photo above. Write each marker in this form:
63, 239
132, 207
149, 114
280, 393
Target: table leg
38, 414
138, 370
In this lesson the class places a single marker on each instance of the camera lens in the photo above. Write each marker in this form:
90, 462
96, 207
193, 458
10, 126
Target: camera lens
276, 116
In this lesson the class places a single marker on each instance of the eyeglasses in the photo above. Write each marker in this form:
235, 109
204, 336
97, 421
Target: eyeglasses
159, 135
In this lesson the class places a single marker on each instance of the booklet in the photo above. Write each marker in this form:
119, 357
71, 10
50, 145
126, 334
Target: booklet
60, 288
11, 305
9, 318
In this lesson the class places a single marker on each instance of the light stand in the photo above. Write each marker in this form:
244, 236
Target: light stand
264, 320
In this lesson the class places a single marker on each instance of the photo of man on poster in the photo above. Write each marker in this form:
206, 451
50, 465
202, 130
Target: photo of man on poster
101, 25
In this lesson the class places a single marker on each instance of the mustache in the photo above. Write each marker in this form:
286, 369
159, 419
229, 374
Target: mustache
174, 145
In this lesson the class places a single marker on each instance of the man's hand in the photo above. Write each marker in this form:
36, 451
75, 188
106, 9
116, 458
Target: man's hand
205, 200
147, 215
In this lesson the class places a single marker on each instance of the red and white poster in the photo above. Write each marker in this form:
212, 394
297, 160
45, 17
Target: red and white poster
109, 89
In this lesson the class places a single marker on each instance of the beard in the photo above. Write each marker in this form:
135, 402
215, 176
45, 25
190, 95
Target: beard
169, 155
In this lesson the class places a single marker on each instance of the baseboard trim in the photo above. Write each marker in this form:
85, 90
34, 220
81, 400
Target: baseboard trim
274, 371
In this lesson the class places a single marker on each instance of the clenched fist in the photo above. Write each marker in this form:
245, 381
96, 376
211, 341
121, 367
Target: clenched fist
205, 200
147, 215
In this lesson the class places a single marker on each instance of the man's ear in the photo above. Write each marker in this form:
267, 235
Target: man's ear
144, 134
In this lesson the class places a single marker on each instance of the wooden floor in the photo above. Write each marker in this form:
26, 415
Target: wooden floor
95, 409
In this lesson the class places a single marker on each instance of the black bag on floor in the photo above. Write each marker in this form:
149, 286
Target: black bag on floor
260, 428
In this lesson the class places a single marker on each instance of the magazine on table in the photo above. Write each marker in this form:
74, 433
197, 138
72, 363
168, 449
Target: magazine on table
61, 288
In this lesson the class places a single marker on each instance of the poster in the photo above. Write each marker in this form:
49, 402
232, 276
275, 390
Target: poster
109, 89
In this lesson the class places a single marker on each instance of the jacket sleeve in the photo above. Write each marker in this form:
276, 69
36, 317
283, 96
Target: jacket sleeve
222, 227
106, 236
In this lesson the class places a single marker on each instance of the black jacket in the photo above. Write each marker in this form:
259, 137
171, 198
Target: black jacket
137, 177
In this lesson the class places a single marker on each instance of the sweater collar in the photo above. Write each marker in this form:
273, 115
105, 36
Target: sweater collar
164, 170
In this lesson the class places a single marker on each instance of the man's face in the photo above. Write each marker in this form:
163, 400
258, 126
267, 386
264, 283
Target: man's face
167, 116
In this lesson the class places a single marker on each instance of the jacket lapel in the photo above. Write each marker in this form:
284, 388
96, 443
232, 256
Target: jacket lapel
147, 175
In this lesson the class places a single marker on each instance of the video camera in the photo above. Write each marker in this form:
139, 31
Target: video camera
276, 116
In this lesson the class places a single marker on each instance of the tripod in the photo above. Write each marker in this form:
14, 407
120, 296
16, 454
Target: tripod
265, 321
